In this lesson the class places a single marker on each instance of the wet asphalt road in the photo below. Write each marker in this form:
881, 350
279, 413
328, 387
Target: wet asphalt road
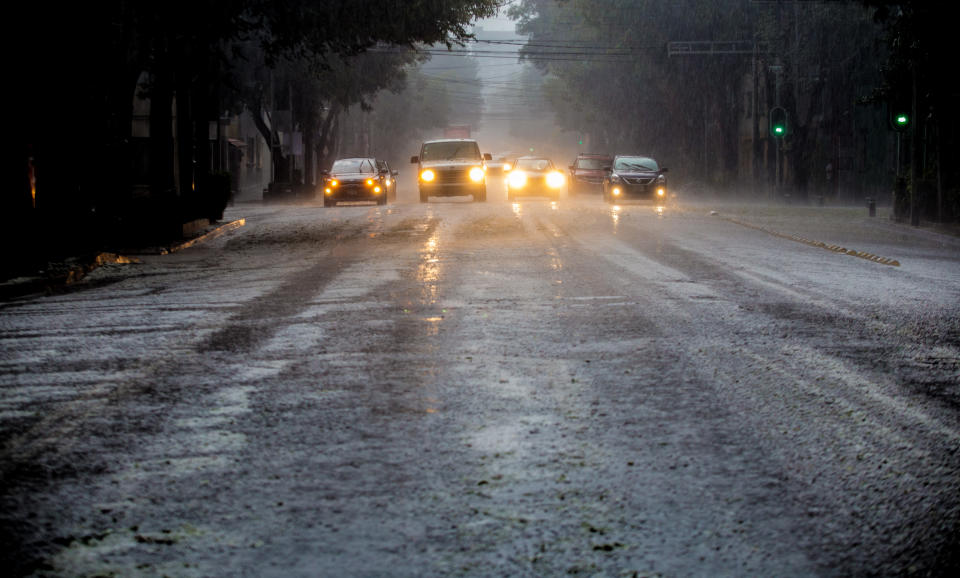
493, 389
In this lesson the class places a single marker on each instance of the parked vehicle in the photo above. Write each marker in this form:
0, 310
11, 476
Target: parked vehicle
535, 177
355, 179
451, 168
635, 177
587, 172
390, 178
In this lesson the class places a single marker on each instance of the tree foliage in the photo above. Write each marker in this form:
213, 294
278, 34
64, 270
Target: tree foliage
78, 66
614, 79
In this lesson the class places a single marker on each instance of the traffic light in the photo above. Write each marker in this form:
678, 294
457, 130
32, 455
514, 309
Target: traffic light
899, 121
778, 122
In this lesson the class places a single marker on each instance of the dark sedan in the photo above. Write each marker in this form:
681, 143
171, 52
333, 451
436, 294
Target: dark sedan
356, 179
535, 177
635, 178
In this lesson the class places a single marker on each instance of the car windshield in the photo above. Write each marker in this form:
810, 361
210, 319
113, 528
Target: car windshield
450, 150
533, 164
635, 164
351, 166
592, 164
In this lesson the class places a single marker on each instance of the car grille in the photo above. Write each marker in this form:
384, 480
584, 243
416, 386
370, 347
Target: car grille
444, 176
638, 180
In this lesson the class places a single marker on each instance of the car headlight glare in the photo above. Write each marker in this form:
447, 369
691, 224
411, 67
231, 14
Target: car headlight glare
334, 183
661, 192
555, 180
369, 182
616, 191
376, 190
507, 168
427, 175
517, 179
476, 174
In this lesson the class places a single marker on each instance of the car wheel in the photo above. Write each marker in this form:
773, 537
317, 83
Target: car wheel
382, 200
481, 197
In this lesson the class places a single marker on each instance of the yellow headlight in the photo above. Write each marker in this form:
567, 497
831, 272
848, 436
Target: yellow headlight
661, 192
555, 180
334, 183
369, 182
427, 175
376, 189
507, 168
616, 191
328, 191
517, 179
476, 174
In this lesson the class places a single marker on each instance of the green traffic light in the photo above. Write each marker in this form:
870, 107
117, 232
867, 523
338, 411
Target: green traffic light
902, 119
778, 129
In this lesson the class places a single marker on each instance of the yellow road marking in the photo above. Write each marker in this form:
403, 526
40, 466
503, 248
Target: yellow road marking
820, 244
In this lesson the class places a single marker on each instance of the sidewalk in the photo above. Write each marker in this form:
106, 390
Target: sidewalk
58, 276
838, 223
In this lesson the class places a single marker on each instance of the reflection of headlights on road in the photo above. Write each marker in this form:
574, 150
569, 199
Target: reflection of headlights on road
427, 175
555, 180
476, 174
517, 179
616, 191
661, 192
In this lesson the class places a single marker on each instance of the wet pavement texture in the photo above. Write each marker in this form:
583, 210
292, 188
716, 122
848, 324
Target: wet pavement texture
479, 389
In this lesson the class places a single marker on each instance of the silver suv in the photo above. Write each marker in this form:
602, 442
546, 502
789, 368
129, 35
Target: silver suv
451, 167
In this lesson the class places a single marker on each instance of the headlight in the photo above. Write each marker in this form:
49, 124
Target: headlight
328, 190
517, 179
476, 174
616, 191
661, 192
334, 183
427, 175
507, 168
369, 182
555, 180
376, 189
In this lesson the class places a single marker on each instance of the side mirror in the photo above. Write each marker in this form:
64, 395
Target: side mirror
487, 157
414, 160
664, 170
394, 172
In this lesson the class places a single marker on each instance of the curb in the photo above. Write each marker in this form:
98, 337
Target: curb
226, 227
813, 243
75, 270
